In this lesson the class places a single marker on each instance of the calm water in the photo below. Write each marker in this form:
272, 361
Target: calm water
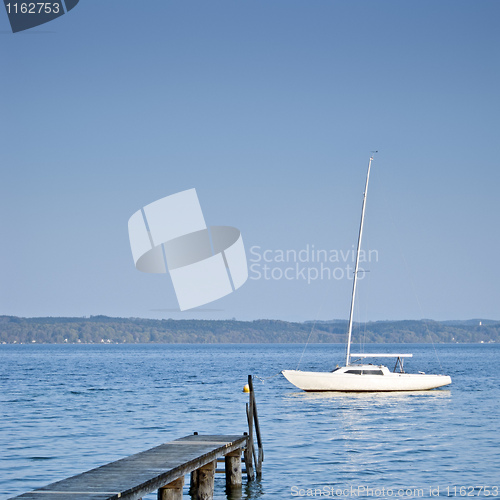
68, 408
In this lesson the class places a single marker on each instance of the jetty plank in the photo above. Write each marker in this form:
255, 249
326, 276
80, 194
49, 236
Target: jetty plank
135, 476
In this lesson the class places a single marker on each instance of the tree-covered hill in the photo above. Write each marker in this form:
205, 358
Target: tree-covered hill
99, 329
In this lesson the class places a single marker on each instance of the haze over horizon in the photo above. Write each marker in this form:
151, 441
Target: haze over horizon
270, 109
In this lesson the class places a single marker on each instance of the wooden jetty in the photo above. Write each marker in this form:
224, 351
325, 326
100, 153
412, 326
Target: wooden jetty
163, 468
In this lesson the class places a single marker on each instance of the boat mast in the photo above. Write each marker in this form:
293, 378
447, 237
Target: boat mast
355, 279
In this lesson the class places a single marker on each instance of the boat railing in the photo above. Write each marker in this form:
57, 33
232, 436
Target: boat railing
399, 358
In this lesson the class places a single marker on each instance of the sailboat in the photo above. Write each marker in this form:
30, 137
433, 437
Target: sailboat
358, 375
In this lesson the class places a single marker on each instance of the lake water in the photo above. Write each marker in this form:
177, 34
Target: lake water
68, 408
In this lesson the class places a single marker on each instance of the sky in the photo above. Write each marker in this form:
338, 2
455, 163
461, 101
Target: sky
270, 110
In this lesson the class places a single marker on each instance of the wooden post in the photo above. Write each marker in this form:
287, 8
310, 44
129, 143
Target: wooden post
255, 417
193, 483
249, 448
172, 491
205, 483
250, 411
233, 469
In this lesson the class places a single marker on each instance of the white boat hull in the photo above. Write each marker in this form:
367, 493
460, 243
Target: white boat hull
346, 382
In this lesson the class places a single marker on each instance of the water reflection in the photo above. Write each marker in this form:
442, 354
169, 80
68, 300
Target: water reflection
369, 396
365, 435
250, 490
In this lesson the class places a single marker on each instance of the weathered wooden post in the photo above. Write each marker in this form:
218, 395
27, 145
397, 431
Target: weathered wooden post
233, 469
254, 415
249, 448
172, 491
205, 486
193, 483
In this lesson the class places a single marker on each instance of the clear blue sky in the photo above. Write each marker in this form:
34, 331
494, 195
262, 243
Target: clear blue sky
269, 108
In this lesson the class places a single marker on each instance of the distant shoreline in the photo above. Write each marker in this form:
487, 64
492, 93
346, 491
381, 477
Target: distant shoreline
108, 330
